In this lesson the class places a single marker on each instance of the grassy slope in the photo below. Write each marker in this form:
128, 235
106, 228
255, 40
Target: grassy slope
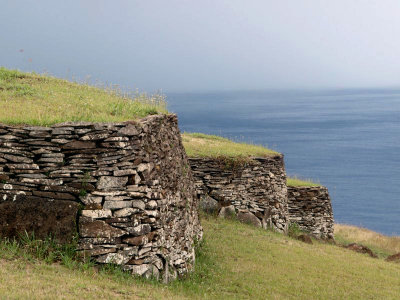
28, 98
381, 244
237, 261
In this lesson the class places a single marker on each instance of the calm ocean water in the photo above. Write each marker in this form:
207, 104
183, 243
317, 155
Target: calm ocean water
348, 140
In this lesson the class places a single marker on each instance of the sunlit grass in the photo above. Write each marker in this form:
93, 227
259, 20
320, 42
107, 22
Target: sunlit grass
29, 98
381, 244
297, 182
235, 261
204, 145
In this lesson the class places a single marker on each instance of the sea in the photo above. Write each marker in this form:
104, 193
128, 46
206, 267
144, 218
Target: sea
347, 140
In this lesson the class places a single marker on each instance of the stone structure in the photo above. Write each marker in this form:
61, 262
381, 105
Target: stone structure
253, 189
125, 188
311, 209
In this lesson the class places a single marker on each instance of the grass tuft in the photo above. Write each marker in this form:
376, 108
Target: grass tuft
29, 98
47, 250
204, 145
297, 182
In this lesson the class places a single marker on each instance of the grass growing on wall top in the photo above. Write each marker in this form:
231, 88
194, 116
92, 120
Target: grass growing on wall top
29, 98
236, 261
204, 145
297, 182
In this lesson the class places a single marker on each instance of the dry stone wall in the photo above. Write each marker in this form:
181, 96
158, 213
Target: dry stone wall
253, 189
125, 188
310, 208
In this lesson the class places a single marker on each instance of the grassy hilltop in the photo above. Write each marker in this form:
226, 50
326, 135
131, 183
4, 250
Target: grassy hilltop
29, 98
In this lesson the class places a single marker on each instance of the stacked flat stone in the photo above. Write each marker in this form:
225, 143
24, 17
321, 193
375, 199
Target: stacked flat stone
255, 189
311, 209
126, 188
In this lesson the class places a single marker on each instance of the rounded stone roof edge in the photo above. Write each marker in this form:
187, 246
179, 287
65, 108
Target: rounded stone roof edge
88, 123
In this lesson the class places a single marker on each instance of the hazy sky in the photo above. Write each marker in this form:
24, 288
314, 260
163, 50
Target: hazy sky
206, 45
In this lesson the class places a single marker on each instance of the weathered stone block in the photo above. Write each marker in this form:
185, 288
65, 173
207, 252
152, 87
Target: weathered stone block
41, 217
141, 229
125, 212
90, 199
98, 229
117, 204
113, 258
249, 218
140, 240
110, 182
129, 130
75, 145
208, 204
124, 172
97, 214
138, 204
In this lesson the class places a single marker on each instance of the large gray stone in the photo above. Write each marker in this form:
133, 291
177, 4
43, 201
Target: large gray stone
141, 229
227, 212
110, 182
129, 130
98, 229
249, 218
97, 213
208, 204
113, 258
117, 204
74, 145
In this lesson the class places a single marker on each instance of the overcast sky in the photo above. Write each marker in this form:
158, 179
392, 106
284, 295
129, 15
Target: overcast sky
207, 45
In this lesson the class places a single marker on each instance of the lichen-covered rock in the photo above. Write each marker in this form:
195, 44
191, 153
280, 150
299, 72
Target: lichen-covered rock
131, 179
111, 182
249, 218
208, 204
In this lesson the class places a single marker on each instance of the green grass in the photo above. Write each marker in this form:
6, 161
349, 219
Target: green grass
297, 182
235, 261
29, 98
204, 145
48, 251
380, 244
